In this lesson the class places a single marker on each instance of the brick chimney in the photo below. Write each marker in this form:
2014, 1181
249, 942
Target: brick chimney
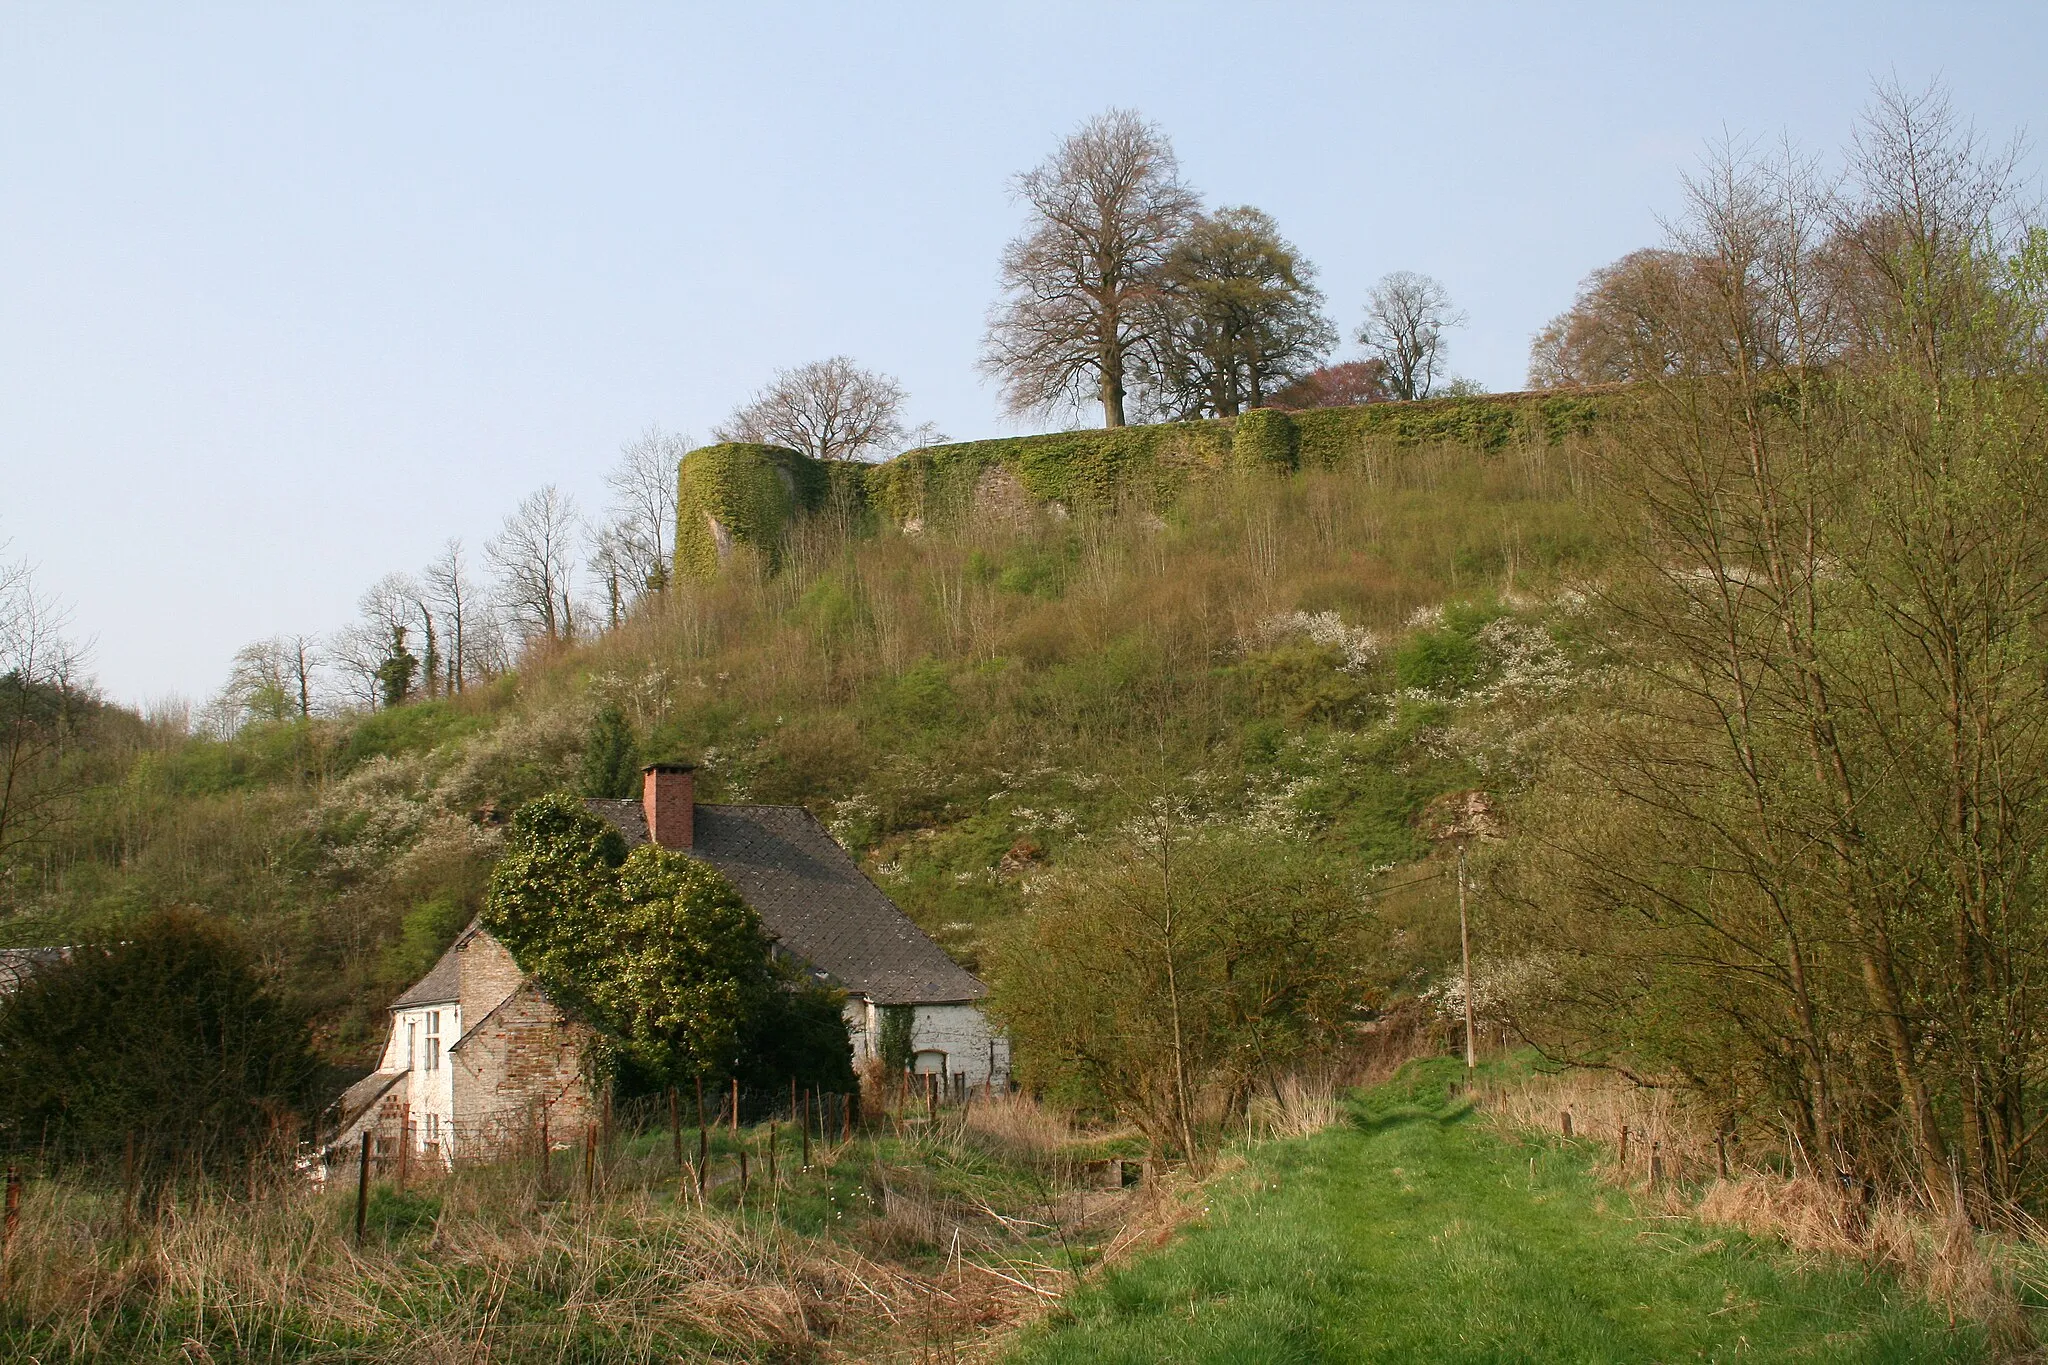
669, 796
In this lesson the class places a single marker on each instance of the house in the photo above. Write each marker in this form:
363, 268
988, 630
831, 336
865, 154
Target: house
478, 1057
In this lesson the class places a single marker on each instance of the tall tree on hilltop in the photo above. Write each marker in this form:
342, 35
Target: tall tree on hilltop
643, 509
1406, 316
829, 409
447, 591
1240, 317
1079, 285
1620, 327
534, 554
42, 704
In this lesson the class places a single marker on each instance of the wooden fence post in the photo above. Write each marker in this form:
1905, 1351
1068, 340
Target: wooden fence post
13, 1223
735, 1106
807, 1130
1656, 1163
589, 1161
547, 1152
1624, 1149
1567, 1123
743, 1175
404, 1143
703, 1141
675, 1130
363, 1187
128, 1183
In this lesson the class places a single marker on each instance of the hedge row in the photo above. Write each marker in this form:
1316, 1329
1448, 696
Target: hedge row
747, 493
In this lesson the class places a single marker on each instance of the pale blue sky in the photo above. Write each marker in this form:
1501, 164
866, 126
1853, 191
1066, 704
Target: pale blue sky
288, 294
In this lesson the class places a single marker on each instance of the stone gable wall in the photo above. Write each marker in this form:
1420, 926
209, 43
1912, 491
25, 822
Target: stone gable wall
526, 1059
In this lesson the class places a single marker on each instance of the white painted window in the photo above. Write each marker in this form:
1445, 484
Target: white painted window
433, 1040
433, 1127
412, 1050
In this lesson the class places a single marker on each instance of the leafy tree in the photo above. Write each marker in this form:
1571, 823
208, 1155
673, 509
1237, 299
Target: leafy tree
611, 756
1178, 963
1080, 284
167, 1038
656, 950
1242, 316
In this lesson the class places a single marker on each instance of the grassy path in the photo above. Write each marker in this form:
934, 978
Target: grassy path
1411, 1234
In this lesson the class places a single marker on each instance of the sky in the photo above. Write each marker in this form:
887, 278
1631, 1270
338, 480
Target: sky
290, 294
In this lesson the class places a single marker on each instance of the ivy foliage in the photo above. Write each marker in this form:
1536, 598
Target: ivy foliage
658, 952
744, 493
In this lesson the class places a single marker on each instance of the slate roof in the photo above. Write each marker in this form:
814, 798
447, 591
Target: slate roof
442, 985
357, 1099
814, 898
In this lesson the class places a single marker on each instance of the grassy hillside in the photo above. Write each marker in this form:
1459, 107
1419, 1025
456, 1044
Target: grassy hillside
1323, 651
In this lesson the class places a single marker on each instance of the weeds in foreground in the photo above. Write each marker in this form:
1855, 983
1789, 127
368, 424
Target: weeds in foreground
886, 1247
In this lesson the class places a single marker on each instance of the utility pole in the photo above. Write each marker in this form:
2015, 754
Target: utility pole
1465, 948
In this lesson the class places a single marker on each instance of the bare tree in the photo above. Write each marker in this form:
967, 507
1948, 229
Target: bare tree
1405, 318
449, 594
534, 555
829, 409
43, 701
643, 509
272, 680
1106, 208
357, 652
612, 560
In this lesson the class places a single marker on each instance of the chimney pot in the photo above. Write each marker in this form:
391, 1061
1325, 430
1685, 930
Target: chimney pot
668, 795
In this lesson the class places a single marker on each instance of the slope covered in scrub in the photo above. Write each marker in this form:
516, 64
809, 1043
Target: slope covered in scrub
1324, 650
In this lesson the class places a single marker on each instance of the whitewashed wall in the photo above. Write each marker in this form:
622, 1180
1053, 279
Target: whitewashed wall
428, 1096
948, 1038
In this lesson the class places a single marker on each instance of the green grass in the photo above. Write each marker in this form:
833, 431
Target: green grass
1413, 1233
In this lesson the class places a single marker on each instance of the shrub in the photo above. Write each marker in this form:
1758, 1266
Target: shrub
611, 759
167, 1038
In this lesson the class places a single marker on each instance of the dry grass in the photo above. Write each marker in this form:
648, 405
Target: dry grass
914, 1251
1968, 1273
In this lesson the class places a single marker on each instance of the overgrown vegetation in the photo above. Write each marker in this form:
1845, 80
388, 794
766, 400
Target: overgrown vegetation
658, 953
160, 1053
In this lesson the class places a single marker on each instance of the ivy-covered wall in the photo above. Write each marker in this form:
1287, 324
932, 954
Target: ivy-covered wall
740, 494
1152, 462
737, 494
